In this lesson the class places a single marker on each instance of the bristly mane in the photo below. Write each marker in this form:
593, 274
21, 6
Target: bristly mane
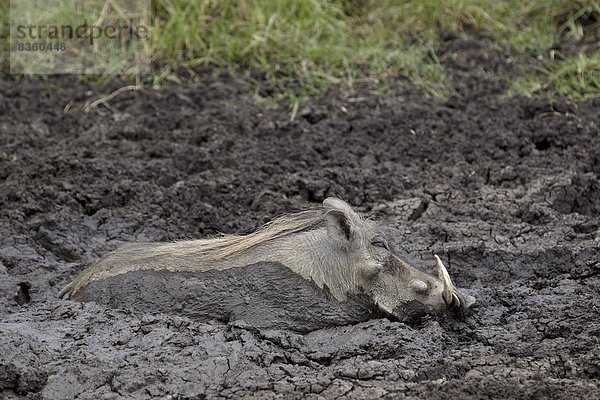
227, 246
274, 242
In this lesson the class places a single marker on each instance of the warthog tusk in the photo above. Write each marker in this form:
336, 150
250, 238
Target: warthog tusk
448, 294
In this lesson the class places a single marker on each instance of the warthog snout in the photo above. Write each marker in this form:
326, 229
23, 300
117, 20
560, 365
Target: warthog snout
406, 292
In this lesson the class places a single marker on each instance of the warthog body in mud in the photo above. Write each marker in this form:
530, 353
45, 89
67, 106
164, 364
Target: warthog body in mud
304, 271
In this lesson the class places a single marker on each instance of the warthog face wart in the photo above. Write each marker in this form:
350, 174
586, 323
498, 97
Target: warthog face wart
303, 271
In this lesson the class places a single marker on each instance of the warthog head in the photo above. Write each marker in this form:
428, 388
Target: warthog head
396, 287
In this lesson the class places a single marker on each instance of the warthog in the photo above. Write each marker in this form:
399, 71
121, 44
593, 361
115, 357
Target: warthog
303, 271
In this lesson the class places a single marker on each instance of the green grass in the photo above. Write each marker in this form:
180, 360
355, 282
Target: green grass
577, 78
303, 47
4, 33
102, 56
297, 49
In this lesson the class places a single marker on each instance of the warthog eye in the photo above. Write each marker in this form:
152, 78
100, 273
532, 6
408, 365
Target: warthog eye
380, 243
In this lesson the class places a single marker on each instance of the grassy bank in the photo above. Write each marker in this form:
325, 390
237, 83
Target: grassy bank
297, 49
302, 47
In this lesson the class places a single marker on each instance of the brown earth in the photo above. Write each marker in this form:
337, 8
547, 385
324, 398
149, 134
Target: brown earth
507, 190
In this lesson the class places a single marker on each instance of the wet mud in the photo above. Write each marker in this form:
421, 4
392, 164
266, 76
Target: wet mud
507, 191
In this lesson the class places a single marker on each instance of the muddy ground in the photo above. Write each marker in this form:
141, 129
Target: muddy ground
506, 190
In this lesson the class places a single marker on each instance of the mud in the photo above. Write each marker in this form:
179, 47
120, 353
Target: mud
507, 190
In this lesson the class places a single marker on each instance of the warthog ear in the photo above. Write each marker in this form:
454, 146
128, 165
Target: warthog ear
342, 222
